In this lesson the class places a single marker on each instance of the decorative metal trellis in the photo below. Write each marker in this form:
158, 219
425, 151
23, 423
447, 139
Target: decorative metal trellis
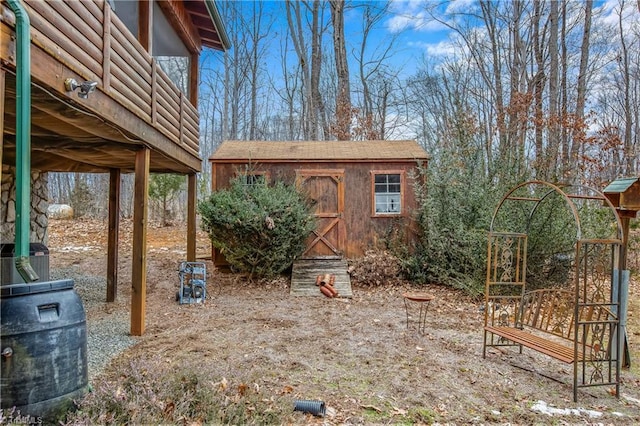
583, 273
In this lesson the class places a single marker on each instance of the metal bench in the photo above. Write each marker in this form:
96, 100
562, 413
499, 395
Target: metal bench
549, 321
558, 238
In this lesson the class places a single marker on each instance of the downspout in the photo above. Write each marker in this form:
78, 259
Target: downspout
23, 141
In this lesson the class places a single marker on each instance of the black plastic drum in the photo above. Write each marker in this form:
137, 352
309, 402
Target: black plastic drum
43, 348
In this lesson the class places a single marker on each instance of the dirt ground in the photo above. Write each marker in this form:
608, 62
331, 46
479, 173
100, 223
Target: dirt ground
355, 354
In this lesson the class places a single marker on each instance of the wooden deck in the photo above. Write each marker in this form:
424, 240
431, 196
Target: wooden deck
305, 271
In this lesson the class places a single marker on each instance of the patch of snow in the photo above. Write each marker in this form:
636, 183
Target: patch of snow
631, 399
542, 407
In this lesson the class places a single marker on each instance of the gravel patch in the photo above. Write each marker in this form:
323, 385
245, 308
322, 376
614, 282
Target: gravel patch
107, 333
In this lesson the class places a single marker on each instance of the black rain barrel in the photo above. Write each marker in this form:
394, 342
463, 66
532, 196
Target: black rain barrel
43, 348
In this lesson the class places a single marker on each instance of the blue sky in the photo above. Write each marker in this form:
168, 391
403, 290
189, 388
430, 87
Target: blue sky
414, 34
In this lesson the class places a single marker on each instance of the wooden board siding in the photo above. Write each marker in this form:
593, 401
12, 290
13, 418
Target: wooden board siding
304, 273
326, 189
362, 228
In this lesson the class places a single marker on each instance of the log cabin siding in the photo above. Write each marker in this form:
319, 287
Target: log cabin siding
72, 34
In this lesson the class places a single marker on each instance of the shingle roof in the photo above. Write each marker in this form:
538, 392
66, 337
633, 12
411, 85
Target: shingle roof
319, 150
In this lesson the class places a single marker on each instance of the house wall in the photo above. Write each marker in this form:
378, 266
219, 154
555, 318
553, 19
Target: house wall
39, 204
363, 229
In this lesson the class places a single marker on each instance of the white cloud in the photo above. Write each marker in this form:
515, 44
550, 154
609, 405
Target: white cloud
442, 49
412, 14
420, 21
609, 14
457, 6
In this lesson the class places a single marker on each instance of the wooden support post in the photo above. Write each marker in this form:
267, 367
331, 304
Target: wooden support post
214, 187
139, 255
192, 197
106, 47
114, 227
145, 24
194, 78
2, 78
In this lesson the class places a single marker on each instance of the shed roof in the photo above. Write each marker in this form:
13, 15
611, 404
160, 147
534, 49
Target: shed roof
620, 185
230, 151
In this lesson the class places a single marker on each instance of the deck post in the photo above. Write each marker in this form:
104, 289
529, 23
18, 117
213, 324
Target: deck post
194, 78
114, 226
2, 82
145, 24
139, 255
192, 195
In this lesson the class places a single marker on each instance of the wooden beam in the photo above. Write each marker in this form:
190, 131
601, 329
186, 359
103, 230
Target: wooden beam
214, 187
192, 196
139, 255
145, 24
178, 16
625, 241
114, 227
2, 75
106, 47
194, 78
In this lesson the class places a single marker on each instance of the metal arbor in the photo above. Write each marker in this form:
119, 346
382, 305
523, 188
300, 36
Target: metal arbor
585, 235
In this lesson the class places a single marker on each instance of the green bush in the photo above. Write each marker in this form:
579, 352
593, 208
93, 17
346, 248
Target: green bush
163, 188
259, 228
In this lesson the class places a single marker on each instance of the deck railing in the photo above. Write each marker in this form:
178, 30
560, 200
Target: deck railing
87, 37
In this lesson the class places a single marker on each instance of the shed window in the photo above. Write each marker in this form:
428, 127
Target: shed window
387, 193
254, 179
250, 178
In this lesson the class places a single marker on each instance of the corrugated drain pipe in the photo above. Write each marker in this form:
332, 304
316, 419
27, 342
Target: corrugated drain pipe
23, 141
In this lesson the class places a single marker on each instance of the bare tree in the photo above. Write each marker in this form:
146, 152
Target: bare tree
313, 105
623, 60
375, 75
343, 97
553, 117
579, 128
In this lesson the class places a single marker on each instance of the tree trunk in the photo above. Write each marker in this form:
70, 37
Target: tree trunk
579, 127
540, 164
343, 97
317, 104
629, 157
489, 17
553, 143
312, 104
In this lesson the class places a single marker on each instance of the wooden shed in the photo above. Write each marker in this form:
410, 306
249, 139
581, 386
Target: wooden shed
363, 191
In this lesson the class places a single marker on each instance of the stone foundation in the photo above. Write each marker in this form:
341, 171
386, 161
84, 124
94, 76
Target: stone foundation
39, 204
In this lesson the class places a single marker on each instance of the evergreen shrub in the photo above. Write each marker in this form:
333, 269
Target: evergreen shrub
259, 228
453, 220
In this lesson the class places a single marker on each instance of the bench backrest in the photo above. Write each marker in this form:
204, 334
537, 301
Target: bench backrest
549, 310
553, 311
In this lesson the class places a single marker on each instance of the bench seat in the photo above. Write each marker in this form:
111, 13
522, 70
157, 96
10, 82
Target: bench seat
537, 343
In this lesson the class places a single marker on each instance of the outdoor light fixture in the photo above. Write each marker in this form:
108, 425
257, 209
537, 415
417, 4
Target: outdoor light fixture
70, 84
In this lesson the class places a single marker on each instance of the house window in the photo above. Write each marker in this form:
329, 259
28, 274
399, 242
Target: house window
387, 193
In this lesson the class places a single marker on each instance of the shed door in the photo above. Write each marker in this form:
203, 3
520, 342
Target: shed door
326, 189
